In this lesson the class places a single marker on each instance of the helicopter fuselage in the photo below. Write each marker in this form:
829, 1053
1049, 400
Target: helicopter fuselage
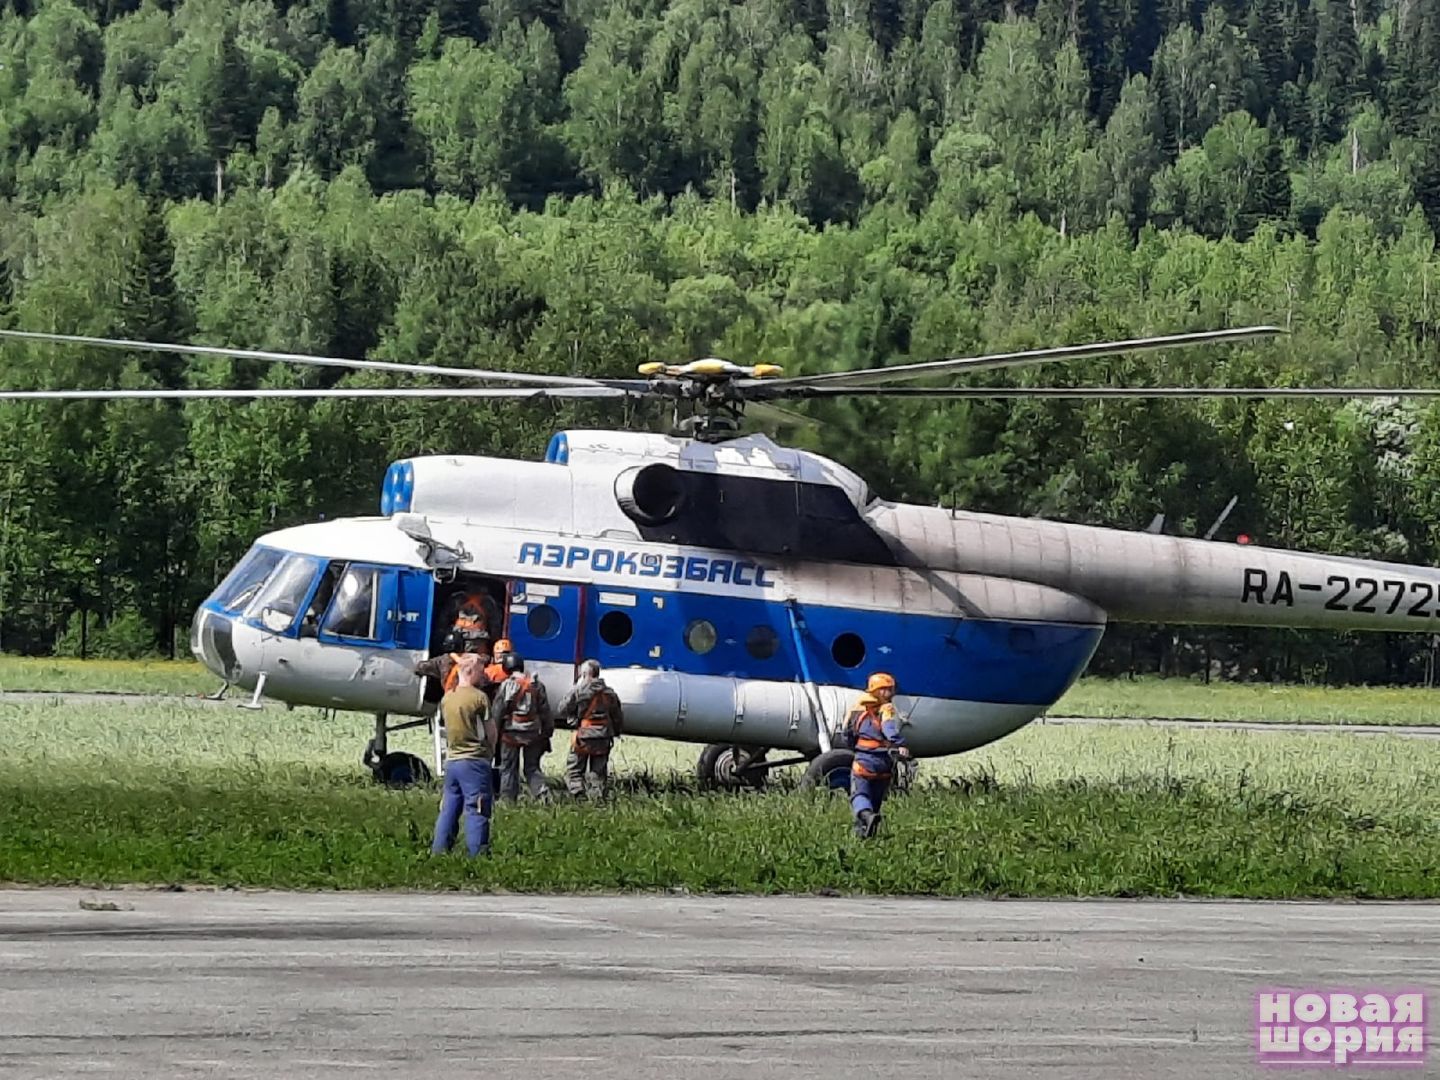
741, 592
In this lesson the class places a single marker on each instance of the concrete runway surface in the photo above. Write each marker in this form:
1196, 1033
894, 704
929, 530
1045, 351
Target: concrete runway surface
345, 985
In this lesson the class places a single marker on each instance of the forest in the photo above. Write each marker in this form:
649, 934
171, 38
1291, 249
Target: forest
577, 186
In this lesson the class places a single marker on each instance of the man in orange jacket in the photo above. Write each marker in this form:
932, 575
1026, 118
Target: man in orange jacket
473, 619
495, 673
875, 734
446, 666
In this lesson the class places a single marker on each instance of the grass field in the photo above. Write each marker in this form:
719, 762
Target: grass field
1262, 702
1146, 697
180, 792
32, 673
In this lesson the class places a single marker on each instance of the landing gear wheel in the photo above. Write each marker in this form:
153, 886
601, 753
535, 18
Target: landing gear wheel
830, 771
723, 768
400, 770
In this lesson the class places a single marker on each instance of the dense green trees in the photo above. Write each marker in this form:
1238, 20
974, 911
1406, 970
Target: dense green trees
581, 187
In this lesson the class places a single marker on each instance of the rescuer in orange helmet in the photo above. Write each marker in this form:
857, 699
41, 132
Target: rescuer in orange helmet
525, 723
495, 673
874, 728
472, 618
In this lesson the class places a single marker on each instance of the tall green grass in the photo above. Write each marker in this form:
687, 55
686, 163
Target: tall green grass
68, 675
109, 793
1144, 697
1138, 838
1260, 702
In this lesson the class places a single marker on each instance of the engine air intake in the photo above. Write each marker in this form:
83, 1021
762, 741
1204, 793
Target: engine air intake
650, 494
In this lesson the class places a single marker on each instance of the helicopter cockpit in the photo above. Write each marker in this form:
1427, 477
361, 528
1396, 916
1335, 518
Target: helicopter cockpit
276, 607
270, 587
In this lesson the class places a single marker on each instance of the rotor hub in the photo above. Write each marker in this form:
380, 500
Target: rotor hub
709, 404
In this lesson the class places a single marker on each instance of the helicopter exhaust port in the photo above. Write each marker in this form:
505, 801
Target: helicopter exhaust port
650, 494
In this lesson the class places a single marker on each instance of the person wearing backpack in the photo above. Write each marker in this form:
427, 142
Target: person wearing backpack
522, 714
875, 735
593, 710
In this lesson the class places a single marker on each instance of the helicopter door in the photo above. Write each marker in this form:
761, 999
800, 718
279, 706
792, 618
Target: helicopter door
544, 621
410, 611
354, 646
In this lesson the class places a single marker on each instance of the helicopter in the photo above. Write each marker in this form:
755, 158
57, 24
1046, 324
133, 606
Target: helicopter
736, 592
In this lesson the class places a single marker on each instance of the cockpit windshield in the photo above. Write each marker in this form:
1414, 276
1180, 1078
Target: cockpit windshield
277, 604
245, 580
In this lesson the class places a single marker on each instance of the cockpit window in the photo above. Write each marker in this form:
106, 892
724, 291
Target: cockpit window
310, 625
352, 612
277, 604
245, 580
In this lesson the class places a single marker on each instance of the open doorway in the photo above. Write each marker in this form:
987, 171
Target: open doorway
470, 615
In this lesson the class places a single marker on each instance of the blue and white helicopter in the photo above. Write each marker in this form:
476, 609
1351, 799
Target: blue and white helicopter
736, 593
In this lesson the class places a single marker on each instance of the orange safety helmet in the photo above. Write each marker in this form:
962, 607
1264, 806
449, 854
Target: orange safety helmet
503, 646
880, 681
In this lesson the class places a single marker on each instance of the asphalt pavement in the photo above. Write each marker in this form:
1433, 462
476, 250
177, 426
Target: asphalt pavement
134, 983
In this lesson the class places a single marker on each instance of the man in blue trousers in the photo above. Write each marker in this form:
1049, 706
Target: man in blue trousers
874, 727
471, 738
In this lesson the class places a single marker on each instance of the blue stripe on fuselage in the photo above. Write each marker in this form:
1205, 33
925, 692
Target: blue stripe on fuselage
973, 659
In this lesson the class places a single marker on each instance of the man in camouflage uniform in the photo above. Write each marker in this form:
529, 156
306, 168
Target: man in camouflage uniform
593, 710
522, 713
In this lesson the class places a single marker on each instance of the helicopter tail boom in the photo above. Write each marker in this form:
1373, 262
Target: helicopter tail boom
1144, 577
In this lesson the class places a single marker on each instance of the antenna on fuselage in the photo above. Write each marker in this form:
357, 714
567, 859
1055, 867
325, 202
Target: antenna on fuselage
1210, 532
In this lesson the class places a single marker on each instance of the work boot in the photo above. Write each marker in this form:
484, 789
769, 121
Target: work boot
865, 823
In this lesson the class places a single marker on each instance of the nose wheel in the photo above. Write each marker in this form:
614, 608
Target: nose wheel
395, 769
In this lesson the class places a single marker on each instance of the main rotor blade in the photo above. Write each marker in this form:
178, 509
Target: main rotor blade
423, 392
1109, 392
315, 361
909, 372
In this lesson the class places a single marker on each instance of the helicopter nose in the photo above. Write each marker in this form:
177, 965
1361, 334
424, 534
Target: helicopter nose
212, 642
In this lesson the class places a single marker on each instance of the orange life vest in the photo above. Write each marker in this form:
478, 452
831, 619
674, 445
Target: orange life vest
522, 726
471, 616
596, 731
866, 706
872, 744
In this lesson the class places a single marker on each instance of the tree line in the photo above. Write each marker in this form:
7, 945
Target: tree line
581, 187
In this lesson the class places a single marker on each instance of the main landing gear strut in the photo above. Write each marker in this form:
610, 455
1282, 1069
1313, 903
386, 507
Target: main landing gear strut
395, 769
